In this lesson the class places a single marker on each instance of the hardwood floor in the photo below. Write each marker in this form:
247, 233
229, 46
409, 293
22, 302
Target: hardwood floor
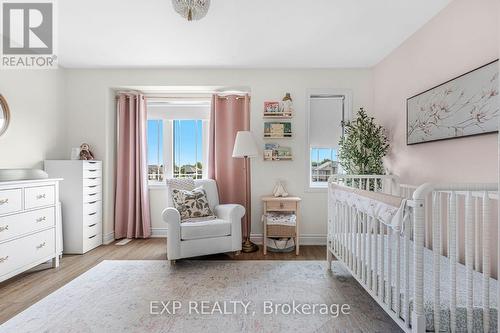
26, 289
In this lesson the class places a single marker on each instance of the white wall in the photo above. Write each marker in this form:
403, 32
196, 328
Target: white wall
37, 129
91, 118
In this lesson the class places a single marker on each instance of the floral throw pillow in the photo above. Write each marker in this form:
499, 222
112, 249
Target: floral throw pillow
192, 204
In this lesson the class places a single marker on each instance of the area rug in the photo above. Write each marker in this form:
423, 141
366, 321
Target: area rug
206, 296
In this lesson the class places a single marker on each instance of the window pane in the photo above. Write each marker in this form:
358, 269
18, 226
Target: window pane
323, 164
188, 149
155, 150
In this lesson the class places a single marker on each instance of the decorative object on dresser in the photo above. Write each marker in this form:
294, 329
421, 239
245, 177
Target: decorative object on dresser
464, 106
85, 153
30, 226
81, 197
279, 189
4, 115
245, 147
281, 217
75, 153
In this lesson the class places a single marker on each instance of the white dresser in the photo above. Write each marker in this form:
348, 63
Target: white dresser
81, 197
29, 225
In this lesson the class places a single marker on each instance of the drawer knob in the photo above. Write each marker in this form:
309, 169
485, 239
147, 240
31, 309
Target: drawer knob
41, 219
3, 259
40, 196
4, 228
39, 246
282, 205
4, 201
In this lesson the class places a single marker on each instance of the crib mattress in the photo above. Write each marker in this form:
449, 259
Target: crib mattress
445, 295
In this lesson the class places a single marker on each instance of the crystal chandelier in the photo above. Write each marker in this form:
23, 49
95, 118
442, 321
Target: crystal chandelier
191, 9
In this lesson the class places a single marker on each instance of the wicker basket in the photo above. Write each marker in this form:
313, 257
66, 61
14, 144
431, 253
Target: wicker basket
277, 230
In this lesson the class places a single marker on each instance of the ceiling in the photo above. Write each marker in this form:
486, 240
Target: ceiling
237, 33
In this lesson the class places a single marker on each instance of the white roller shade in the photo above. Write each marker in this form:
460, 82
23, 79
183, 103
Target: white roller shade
325, 121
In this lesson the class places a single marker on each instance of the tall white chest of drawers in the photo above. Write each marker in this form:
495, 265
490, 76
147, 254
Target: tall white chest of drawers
29, 225
81, 197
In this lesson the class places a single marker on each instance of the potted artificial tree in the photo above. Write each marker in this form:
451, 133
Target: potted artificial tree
363, 146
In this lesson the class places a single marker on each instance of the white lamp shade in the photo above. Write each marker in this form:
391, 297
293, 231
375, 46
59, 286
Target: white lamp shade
245, 145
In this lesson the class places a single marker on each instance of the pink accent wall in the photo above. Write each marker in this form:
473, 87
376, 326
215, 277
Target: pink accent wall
463, 36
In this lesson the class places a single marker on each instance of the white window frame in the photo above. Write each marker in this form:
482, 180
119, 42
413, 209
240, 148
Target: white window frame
168, 147
347, 93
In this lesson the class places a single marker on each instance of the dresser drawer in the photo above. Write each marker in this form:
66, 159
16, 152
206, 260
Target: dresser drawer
283, 206
91, 207
24, 251
92, 189
11, 201
93, 181
93, 217
39, 196
24, 223
92, 165
92, 173
91, 242
92, 230
91, 197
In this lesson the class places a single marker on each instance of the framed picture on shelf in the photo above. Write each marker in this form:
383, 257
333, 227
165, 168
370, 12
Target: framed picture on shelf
274, 152
271, 107
277, 130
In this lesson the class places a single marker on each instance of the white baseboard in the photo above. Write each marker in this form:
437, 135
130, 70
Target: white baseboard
305, 239
159, 232
108, 238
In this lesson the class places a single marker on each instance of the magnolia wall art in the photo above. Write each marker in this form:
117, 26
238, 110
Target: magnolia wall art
464, 106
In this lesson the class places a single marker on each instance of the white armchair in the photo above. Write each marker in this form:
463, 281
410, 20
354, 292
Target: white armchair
191, 239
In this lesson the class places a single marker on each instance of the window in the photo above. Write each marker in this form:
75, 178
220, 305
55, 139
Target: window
325, 128
177, 140
155, 150
323, 164
188, 149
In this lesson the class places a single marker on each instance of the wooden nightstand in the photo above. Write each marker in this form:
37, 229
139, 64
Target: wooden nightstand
283, 205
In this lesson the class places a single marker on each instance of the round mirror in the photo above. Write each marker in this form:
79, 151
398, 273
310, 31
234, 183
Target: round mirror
4, 115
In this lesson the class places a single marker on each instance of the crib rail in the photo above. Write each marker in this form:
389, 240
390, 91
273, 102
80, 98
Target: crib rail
378, 183
381, 258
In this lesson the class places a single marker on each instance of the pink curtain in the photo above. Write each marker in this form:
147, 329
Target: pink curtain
132, 216
229, 115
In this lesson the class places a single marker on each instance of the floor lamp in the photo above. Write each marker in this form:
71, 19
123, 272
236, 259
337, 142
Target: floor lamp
246, 147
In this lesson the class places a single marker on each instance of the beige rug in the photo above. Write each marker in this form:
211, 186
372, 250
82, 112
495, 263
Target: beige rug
210, 296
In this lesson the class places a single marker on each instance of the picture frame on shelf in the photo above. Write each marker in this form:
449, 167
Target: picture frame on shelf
277, 130
275, 152
271, 107
274, 109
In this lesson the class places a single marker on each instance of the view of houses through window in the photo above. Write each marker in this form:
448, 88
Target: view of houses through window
323, 165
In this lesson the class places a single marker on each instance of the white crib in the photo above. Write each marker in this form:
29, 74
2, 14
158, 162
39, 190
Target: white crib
433, 274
